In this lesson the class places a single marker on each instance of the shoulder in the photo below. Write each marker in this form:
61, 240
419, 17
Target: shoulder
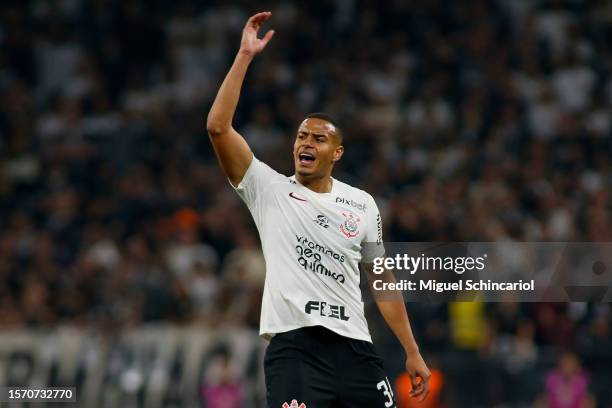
259, 180
259, 169
346, 188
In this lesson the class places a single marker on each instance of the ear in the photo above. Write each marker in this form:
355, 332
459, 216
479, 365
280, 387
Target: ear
338, 152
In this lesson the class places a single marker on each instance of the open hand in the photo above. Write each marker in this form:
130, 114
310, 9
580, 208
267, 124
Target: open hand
250, 44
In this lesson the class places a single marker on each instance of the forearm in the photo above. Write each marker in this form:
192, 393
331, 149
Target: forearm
394, 313
223, 109
393, 309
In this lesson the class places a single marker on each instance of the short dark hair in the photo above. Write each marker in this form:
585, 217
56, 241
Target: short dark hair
327, 118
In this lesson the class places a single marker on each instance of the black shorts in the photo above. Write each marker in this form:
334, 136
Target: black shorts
321, 369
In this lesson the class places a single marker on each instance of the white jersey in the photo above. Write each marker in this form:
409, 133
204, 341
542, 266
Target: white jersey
312, 243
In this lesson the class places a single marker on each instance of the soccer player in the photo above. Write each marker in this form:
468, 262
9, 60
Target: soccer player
313, 230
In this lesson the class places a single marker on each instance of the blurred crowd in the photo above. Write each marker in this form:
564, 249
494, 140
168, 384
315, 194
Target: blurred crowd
471, 120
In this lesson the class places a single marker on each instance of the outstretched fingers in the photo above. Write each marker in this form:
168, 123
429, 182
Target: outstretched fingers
258, 19
250, 44
267, 37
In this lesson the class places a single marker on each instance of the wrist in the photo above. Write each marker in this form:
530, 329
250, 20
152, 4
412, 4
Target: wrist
245, 54
412, 350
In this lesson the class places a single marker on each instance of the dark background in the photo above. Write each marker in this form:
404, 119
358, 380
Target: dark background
466, 120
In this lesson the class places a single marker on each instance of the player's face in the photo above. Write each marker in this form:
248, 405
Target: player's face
316, 149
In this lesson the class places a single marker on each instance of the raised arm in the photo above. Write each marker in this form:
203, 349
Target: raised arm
232, 150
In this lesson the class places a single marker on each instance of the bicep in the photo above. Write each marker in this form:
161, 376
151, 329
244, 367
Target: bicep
368, 271
385, 276
381, 272
233, 153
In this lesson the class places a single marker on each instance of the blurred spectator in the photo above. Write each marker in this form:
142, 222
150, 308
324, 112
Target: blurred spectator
203, 288
567, 385
222, 388
467, 321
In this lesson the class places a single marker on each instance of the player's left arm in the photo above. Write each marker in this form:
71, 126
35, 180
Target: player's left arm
391, 303
393, 309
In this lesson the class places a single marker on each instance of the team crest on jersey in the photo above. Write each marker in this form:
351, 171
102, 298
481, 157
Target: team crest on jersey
350, 226
294, 404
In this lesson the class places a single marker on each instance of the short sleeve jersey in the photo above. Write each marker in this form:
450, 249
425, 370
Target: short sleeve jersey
312, 243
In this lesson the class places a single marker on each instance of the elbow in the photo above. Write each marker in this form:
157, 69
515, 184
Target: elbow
213, 128
216, 127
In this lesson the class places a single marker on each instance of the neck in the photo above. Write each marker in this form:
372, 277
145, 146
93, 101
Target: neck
318, 185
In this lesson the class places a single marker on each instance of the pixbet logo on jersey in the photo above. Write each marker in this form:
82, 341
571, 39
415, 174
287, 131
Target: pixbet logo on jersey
352, 203
327, 310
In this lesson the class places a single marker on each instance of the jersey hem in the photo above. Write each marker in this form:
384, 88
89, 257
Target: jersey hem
268, 333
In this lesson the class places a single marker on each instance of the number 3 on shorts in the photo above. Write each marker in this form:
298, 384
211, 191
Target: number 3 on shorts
387, 391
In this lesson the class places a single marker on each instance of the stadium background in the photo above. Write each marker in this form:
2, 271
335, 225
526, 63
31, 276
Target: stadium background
128, 266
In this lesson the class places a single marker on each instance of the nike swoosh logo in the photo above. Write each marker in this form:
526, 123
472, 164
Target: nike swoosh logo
297, 198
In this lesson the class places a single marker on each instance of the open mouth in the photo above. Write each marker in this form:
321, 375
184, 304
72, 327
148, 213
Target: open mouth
306, 158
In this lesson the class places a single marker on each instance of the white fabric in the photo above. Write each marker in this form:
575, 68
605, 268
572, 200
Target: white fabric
312, 243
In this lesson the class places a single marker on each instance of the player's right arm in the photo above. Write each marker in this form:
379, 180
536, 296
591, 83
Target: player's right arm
233, 152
